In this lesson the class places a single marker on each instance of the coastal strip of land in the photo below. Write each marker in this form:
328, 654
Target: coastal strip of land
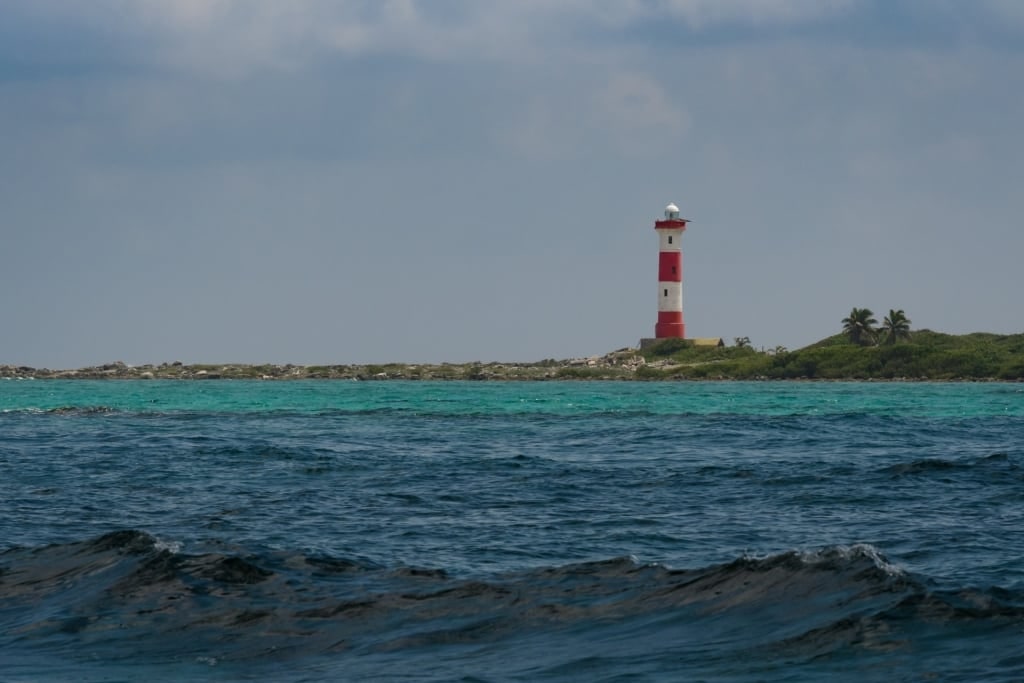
926, 355
616, 365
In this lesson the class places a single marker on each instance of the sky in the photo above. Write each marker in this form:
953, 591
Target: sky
363, 181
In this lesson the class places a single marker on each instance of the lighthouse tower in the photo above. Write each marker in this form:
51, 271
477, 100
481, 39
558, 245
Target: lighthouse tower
670, 274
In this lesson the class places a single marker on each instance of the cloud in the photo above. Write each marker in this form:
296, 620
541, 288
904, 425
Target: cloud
706, 13
230, 38
639, 113
628, 114
1011, 11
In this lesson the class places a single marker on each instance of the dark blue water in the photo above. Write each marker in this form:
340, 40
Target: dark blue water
511, 531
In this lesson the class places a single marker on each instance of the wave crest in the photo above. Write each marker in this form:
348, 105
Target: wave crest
127, 589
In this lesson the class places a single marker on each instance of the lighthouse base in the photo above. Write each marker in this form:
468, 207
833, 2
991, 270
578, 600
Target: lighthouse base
670, 330
669, 324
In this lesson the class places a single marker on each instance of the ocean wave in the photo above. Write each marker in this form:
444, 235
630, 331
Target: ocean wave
128, 589
922, 466
926, 466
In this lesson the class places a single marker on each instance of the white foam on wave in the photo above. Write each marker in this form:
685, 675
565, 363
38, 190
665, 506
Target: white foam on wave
830, 553
852, 552
173, 547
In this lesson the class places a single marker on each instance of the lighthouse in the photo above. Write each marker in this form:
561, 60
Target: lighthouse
670, 275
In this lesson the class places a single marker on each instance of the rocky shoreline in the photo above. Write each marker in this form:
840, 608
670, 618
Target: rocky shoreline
621, 364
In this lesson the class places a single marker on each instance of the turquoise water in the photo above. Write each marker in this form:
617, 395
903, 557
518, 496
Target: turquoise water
230, 530
937, 400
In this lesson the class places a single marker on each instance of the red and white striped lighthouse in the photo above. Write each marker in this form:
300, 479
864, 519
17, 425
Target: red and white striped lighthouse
670, 274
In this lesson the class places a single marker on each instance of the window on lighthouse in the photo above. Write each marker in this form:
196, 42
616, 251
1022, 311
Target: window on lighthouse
665, 292
670, 239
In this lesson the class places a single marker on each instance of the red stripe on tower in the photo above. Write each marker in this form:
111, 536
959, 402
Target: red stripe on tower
670, 274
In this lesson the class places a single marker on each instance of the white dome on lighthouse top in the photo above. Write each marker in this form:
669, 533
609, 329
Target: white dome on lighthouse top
671, 211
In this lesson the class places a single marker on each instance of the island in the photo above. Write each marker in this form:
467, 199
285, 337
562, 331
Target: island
921, 356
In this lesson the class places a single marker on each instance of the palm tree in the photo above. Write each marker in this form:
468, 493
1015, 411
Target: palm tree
859, 326
896, 325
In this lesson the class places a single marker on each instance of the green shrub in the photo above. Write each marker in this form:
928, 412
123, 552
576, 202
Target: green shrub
667, 347
1013, 369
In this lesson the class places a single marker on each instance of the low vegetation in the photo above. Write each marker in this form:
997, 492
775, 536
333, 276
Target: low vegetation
861, 351
931, 356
